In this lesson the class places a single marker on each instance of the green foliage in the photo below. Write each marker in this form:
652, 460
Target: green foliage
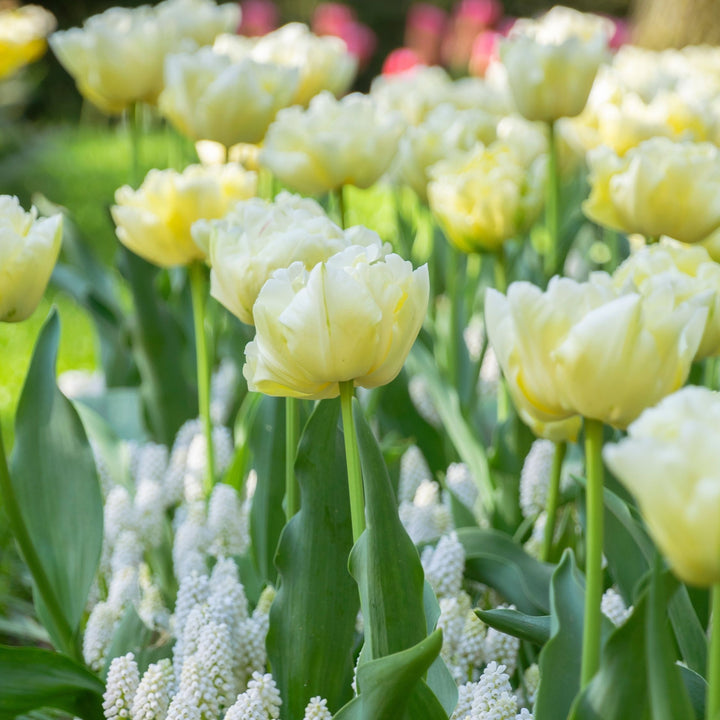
58, 495
31, 678
312, 619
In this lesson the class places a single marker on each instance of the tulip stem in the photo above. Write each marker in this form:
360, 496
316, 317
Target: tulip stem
135, 132
712, 707
198, 291
292, 427
594, 549
340, 198
499, 270
69, 644
352, 457
552, 206
552, 500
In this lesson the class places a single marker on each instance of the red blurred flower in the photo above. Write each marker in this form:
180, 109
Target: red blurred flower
340, 20
401, 60
424, 29
485, 50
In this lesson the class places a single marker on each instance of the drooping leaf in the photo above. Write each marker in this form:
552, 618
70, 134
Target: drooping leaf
392, 688
312, 619
267, 441
533, 628
688, 630
57, 491
697, 690
31, 678
493, 558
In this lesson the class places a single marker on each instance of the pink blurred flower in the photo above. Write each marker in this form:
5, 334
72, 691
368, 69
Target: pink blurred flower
259, 17
479, 12
622, 34
485, 50
401, 60
330, 18
424, 29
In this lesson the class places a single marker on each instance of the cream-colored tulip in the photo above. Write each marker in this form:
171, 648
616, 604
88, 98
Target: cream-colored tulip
331, 144
689, 271
588, 349
486, 196
660, 187
551, 63
29, 248
155, 221
670, 462
117, 57
257, 237
354, 317
22, 36
324, 63
208, 96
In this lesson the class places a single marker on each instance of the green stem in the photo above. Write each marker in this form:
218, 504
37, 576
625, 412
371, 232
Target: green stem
499, 270
340, 199
652, 239
135, 132
198, 290
710, 372
454, 284
594, 548
712, 708
552, 206
552, 500
292, 430
67, 638
352, 457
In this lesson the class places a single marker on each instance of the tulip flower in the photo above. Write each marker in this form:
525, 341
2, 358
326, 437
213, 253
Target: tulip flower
22, 36
660, 187
29, 248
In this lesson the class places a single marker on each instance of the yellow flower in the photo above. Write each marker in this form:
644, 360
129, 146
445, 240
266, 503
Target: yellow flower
660, 187
155, 220
28, 251
486, 196
551, 63
588, 349
689, 271
256, 238
670, 462
117, 57
331, 144
354, 317
22, 36
208, 96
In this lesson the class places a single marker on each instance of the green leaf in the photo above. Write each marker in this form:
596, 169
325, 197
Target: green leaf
57, 491
312, 619
533, 628
31, 678
391, 687
493, 558
688, 631
697, 690
463, 437
560, 659
159, 342
619, 689
439, 678
267, 440
668, 697
384, 561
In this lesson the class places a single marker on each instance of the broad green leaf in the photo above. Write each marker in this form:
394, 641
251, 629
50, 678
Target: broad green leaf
668, 697
267, 441
122, 410
31, 678
533, 628
57, 491
312, 619
619, 689
391, 687
384, 561
697, 690
159, 342
688, 631
493, 558
560, 658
